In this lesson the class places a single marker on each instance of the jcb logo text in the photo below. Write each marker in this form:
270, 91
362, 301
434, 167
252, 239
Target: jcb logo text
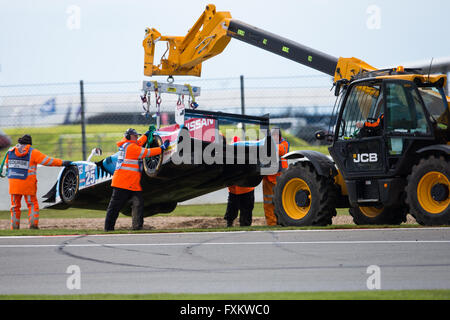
365, 157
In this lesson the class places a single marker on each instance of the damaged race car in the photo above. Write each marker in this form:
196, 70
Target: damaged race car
198, 161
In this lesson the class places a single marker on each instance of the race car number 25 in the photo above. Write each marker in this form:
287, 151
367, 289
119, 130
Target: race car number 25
90, 176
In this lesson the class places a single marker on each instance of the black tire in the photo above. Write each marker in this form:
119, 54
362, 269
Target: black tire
153, 164
378, 215
69, 184
427, 191
303, 197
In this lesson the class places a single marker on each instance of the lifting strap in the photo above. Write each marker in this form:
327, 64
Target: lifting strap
193, 104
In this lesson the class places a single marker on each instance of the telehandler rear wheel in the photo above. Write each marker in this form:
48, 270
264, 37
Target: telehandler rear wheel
428, 191
303, 197
378, 215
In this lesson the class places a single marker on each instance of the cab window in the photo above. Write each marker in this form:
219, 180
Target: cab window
405, 114
363, 112
437, 106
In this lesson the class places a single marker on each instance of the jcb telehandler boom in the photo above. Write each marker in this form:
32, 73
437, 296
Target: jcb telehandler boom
211, 34
390, 147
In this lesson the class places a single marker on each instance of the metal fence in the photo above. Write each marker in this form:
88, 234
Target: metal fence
58, 120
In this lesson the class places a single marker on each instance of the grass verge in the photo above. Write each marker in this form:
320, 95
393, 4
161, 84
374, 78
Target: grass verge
60, 232
204, 210
207, 210
339, 295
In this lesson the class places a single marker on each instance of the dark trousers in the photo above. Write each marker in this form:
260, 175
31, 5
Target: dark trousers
243, 202
118, 200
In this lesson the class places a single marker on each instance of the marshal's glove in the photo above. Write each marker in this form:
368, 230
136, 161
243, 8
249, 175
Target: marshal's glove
165, 145
66, 163
149, 134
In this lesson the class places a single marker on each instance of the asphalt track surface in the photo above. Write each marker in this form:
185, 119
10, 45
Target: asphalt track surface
222, 262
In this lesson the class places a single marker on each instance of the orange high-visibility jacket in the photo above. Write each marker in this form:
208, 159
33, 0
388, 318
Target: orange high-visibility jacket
375, 124
283, 148
32, 158
130, 163
237, 189
240, 190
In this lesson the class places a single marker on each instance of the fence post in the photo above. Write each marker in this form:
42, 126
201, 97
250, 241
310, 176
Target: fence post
83, 121
60, 143
242, 105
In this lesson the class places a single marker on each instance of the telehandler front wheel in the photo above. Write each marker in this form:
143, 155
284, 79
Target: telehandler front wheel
303, 197
428, 191
378, 215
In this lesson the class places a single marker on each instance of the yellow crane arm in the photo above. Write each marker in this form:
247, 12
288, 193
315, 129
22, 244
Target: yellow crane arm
207, 38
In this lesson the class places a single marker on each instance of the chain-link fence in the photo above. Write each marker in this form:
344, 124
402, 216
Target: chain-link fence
57, 120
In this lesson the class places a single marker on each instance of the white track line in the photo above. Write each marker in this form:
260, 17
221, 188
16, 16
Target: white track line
183, 244
224, 232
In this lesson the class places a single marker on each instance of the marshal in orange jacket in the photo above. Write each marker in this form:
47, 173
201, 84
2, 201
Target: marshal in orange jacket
28, 186
130, 163
240, 190
283, 148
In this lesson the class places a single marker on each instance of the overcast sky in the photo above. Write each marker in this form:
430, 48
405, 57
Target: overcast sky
44, 41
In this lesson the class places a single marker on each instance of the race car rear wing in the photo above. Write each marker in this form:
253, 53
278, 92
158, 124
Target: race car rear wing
217, 117
263, 121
